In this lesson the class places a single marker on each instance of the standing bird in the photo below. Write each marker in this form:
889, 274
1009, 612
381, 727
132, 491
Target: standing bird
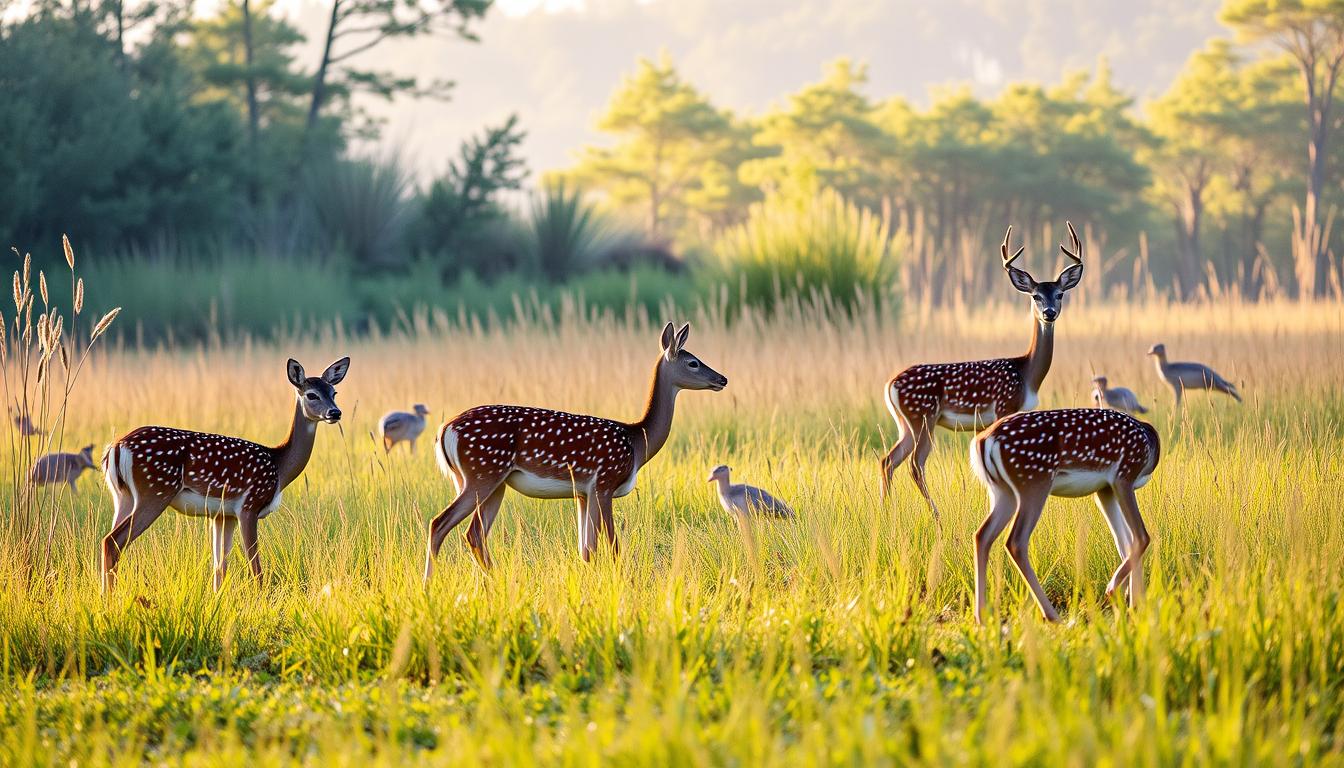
61, 467
1119, 398
1184, 376
399, 426
745, 500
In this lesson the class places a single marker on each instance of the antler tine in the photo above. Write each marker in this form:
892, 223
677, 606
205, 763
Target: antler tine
1076, 253
1003, 249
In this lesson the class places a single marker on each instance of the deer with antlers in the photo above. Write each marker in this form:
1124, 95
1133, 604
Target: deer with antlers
231, 481
555, 455
1026, 458
968, 396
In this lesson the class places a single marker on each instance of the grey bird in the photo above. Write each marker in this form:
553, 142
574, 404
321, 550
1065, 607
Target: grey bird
1185, 376
400, 426
739, 499
61, 467
24, 422
1119, 398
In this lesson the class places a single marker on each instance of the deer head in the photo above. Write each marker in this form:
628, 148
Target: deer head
317, 394
86, 456
681, 368
1046, 298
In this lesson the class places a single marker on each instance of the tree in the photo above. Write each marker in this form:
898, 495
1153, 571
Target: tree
355, 27
672, 154
827, 130
1312, 33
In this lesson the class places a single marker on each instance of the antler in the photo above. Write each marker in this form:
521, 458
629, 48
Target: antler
1077, 253
1003, 249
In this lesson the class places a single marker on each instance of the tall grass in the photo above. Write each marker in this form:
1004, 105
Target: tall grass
846, 638
818, 248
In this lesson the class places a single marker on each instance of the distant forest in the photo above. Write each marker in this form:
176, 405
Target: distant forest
154, 135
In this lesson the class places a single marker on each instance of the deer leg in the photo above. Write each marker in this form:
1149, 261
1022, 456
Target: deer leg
923, 446
248, 521
221, 541
1002, 504
472, 494
1133, 564
605, 521
1115, 519
1029, 506
1178, 389
587, 527
126, 530
899, 452
479, 529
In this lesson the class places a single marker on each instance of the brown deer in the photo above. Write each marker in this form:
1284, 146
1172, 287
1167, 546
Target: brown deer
229, 480
555, 455
1026, 458
968, 396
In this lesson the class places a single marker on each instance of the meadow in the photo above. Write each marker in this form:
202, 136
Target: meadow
844, 637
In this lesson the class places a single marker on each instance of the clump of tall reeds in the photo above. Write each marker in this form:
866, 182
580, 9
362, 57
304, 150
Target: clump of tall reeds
38, 375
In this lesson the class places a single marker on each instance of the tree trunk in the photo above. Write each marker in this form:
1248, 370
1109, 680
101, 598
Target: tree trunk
253, 118
320, 82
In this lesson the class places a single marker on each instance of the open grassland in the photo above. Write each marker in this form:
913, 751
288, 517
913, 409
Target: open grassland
844, 637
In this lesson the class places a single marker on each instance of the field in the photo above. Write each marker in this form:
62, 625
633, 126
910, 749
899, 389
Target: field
843, 638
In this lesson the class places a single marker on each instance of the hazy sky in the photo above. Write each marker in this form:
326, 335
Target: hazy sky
556, 62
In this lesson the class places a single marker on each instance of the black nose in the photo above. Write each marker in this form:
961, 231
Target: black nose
1050, 314
723, 381
334, 414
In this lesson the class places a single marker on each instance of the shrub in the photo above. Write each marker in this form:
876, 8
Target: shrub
566, 236
817, 249
361, 208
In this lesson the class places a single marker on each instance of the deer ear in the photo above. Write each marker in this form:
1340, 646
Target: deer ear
682, 336
1071, 276
295, 372
1021, 280
335, 372
667, 341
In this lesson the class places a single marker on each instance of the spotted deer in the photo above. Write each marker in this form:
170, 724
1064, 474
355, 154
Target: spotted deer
1026, 458
968, 396
231, 481
555, 455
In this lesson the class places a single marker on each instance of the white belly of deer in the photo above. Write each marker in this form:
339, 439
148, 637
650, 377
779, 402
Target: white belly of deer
539, 487
629, 484
964, 421
193, 504
1077, 482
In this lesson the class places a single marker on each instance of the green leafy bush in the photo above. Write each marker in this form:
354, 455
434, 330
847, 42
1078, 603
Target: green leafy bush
361, 208
818, 249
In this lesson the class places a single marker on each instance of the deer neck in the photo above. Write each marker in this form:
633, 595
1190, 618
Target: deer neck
1039, 355
649, 434
291, 456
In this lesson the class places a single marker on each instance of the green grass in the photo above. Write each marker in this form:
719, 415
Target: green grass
845, 638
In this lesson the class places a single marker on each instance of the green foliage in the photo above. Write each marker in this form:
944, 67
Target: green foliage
566, 235
819, 248
361, 208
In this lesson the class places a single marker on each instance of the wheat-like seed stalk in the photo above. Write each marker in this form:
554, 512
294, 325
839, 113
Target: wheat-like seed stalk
79, 295
65, 359
27, 270
104, 323
4, 340
69, 252
18, 293
42, 284
57, 329
42, 332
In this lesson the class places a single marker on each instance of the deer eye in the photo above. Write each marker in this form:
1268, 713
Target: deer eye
694, 365
312, 396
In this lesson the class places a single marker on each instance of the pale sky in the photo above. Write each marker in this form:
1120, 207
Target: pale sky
557, 62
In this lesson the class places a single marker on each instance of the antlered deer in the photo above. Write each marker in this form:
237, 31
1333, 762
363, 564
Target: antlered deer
555, 455
968, 396
1026, 458
229, 480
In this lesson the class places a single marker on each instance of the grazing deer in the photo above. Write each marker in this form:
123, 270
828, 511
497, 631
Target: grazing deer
1186, 376
61, 467
554, 455
1026, 458
228, 480
967, 396
400, 426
